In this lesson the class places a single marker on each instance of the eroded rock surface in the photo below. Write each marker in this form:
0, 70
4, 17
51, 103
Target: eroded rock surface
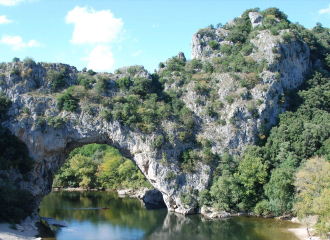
33, 98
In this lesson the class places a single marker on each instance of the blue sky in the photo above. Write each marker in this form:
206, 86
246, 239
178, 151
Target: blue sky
106, 35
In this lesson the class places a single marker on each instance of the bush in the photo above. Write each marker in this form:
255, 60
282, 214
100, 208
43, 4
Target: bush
247, 50
158, 142
57, 78
208, 67
102, 84
204, 197
134, 70
29, 61
66, 101
141, 86
123, 83
170, 175
15, 59
196, 64
287, 37
5, 104
56, 122
262, 208
274, 31
236, 36
229, 99
213, 44
91, 72
161, 65
14, 71
106, 115
85, 80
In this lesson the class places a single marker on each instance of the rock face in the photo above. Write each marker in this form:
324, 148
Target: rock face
32, 100
256, 19
199, 43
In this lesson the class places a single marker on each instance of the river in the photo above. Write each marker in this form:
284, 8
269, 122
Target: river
127, 219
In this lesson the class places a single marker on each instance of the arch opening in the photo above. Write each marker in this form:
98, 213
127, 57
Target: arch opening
100, 166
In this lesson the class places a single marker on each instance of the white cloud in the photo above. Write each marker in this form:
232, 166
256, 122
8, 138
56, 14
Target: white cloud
14, 2
135, 40
155, 25
17, 42
4, 20
325, 10
100, 59
119, 48
94, 26
136, 53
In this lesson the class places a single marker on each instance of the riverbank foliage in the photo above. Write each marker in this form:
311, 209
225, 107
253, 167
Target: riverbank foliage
99, 166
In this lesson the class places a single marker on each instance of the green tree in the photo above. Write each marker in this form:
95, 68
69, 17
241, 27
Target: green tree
252, 174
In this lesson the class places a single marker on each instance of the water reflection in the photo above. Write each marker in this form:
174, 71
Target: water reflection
128, 219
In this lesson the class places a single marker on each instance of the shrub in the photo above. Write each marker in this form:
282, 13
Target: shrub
236, 36
161, 65
229, 99
84, 69
66, 101
196, 64
210, 111
85, 80
141, 86
213, 44
123, 83
56, 122
262, 208
5, 104
170, 175
204, 197
102, 84
14, 71
29, 61
274, 31
208, 67
15, 59
287, 37
247, 50
158, 142
106, 115
134, 70
91, 72
57, 78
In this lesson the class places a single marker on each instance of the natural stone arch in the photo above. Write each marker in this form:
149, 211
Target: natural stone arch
51, 147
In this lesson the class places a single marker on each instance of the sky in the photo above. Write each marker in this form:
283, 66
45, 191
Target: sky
105, 35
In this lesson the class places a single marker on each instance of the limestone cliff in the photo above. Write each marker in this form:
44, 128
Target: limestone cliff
238, 122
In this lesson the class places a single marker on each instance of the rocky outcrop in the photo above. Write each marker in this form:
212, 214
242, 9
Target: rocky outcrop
256, 19
199, 43
34, 101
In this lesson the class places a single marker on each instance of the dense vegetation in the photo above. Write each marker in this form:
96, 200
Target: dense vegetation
99, 166
270, 179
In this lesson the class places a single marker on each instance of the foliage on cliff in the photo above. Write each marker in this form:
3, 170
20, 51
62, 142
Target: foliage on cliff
263, 177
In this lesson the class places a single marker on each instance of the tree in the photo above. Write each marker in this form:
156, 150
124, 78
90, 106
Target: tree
252, 174
313, 192
280, 190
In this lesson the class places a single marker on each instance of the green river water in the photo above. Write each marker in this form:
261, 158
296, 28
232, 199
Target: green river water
127, 219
